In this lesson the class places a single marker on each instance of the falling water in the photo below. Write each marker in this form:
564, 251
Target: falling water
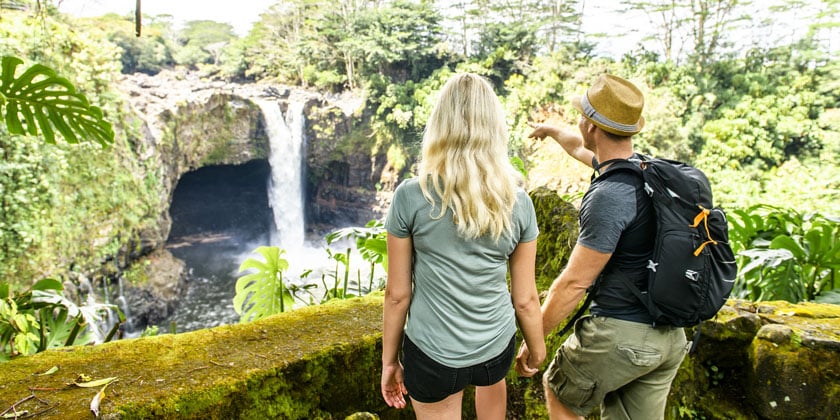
285, 197
285, 190
122, 304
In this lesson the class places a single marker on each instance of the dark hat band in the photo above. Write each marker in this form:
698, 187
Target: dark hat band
593, 115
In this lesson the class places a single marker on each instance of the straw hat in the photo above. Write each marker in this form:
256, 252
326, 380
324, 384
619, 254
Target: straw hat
614, 105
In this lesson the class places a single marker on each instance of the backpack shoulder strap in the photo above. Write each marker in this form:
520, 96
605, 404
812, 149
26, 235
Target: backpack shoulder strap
634, 163
590, 293
614, 166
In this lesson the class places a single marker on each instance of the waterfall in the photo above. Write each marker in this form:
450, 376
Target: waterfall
285, 189
122, 304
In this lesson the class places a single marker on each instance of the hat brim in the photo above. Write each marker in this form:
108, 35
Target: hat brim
639, 126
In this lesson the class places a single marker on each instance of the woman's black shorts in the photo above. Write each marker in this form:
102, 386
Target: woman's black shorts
429, 381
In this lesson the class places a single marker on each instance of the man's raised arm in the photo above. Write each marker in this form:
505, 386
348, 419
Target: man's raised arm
571, 141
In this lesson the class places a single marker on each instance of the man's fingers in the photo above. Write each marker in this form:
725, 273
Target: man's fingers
538, 131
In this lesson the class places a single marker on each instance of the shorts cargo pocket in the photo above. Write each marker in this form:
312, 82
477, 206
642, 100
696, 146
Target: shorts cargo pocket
569, 385
641, 357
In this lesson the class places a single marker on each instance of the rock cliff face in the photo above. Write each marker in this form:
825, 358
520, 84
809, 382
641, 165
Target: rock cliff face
190, 123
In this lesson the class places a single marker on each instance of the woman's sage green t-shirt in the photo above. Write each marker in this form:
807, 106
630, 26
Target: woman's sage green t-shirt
461, 312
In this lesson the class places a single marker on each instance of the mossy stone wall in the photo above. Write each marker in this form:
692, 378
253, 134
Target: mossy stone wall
316, 362
756, 361
765, 360
557, 220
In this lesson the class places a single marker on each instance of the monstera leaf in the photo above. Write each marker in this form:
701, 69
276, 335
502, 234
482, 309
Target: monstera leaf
370, 241
261, 292
39, 99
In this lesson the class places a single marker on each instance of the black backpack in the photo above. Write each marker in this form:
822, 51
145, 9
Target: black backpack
693, 269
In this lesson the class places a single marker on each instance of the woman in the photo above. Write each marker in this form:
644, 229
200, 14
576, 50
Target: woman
451, 233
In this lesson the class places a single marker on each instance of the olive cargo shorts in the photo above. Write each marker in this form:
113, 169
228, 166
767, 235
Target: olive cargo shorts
626, 367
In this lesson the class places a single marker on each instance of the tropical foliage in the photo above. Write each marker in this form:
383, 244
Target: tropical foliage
370, 243
261, 291
56, 216
757, 111
39, 102
38, 98
786, 255
41, 318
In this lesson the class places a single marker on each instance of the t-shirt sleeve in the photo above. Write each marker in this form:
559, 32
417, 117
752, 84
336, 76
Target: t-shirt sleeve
528, 228
397, 220
605, 213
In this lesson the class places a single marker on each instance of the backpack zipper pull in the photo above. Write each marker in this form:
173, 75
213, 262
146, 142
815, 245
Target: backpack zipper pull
703, 216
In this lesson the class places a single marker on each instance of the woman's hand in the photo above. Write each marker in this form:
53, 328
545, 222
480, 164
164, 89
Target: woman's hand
393, 388
525, 365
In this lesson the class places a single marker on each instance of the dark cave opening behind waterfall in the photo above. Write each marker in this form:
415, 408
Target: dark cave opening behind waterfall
219, 215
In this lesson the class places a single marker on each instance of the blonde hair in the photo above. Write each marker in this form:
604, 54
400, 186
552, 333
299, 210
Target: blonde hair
465, 158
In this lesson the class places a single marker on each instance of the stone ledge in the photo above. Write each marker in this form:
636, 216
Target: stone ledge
772, 360
315, 362
764, 360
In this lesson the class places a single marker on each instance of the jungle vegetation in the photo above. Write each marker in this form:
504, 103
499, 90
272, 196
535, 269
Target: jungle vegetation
731, 86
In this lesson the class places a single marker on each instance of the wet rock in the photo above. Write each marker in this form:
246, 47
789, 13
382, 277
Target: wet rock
154, 294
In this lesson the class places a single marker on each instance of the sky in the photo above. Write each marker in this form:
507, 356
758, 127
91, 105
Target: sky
241, 14
622, 31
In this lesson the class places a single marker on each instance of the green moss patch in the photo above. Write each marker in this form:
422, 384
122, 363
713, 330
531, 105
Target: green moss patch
558, 224
315, 362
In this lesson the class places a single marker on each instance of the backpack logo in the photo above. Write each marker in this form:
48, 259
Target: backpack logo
692, 275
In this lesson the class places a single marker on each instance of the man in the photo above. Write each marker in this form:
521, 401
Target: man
615, 358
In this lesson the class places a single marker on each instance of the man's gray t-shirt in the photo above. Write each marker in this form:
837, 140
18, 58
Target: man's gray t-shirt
605, 213
461, 312
616, 217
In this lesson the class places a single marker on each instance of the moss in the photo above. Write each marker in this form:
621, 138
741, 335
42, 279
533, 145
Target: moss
326, 122
138, 273
558, 223
278, 367
820, 320
220, 153
789, 381
323, 362
762, 360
